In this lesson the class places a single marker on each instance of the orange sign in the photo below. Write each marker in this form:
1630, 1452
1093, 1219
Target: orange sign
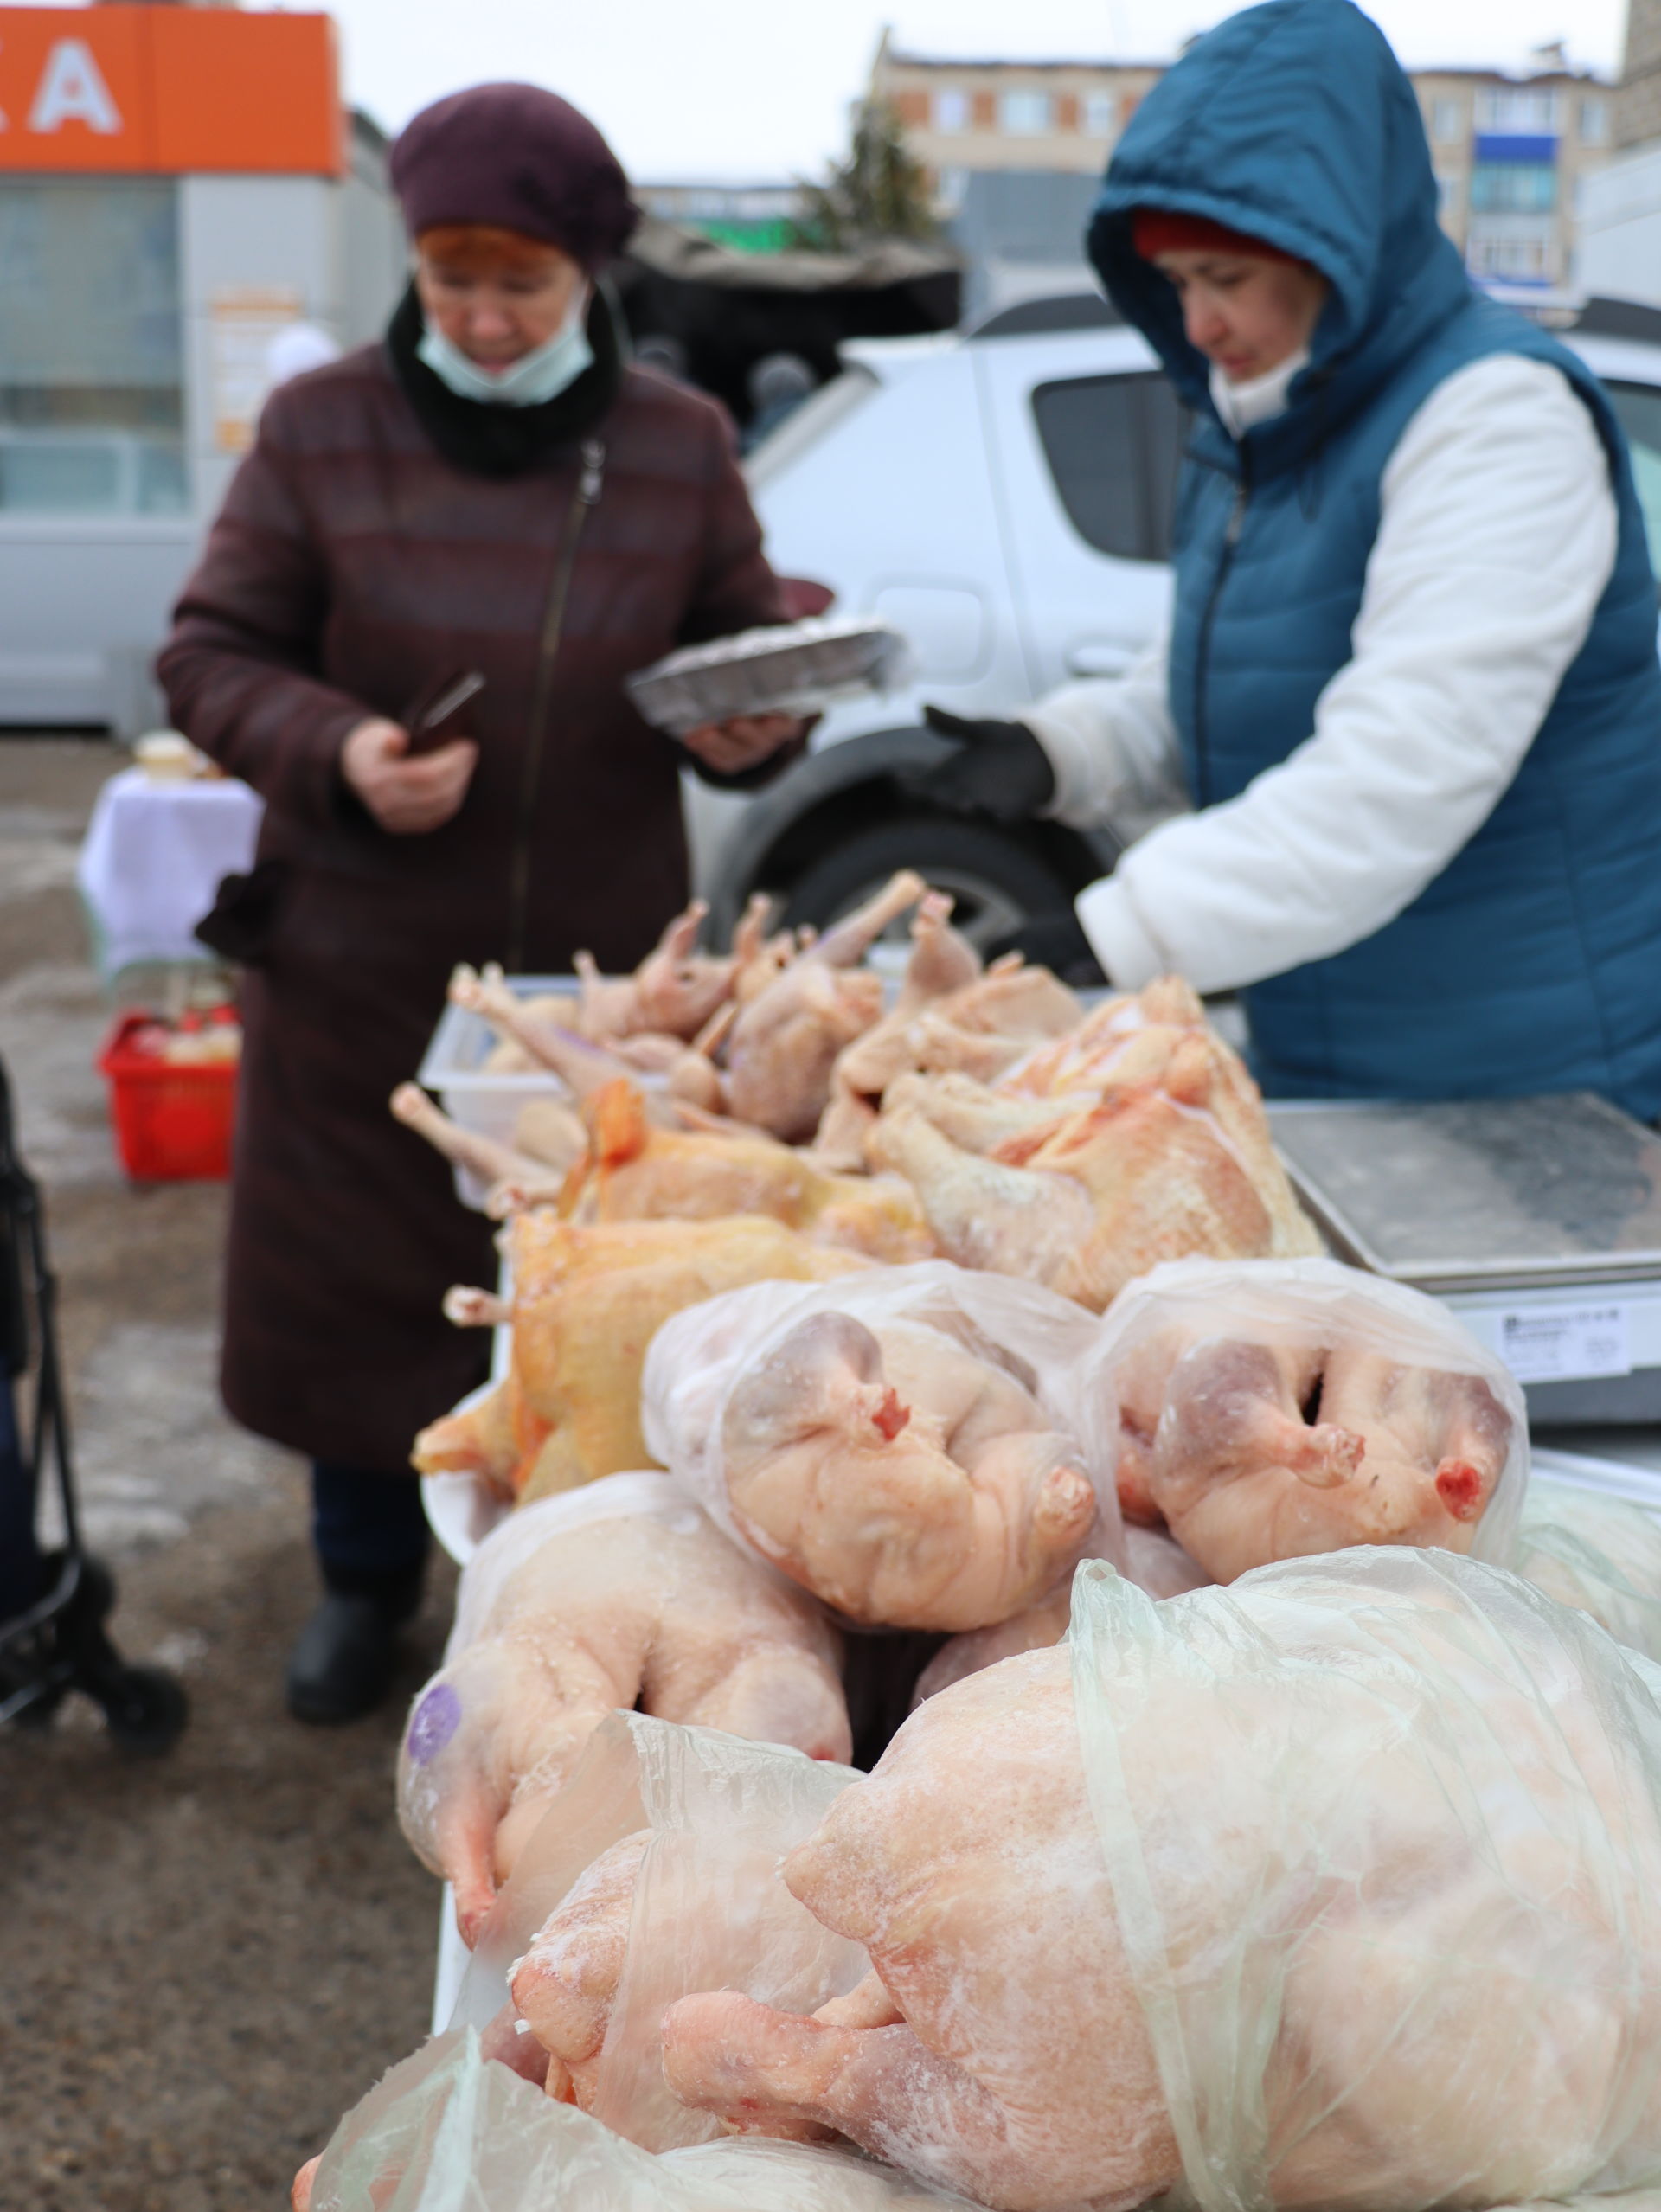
170, 89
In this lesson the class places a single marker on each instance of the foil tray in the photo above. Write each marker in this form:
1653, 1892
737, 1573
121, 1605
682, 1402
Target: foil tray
796, 668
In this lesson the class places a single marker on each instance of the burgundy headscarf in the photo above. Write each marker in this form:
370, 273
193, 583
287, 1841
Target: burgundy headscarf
515, 157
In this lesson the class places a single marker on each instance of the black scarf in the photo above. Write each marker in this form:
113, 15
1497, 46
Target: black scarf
495, 441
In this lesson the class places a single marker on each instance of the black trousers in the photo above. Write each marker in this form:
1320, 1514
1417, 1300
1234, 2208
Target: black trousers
367, 1527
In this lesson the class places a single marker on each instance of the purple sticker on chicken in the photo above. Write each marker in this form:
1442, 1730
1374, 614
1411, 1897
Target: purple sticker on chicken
434, 1720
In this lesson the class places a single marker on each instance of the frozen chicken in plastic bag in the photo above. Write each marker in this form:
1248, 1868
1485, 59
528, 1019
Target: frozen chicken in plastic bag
619, 1591
1339, 1886
1270, 1409
690, 1900
1601, 1555
893, 1442
448, 2130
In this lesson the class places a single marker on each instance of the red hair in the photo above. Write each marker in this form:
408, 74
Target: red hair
482, 249
1163, 230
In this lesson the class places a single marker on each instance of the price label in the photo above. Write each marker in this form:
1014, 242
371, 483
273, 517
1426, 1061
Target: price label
1565, 1343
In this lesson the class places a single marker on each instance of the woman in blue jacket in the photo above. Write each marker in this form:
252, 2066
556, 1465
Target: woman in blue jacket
1411, 675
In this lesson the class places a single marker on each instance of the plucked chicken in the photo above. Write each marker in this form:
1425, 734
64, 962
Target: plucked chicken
1339, 1888
565, 1983
584, 1065
1266, 1412
587, 1302
631, 1170
948, 1015
786, 1038
886, 1446
625, 1594
1166, 1153
549, 1139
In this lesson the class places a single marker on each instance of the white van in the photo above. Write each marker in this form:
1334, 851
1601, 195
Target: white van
1006, 498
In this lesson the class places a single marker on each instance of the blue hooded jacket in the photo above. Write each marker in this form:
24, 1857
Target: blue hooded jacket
1533, 963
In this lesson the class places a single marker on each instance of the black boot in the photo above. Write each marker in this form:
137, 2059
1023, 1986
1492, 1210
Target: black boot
341, 1666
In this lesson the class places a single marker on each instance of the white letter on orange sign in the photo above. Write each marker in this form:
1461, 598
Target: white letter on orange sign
73, 90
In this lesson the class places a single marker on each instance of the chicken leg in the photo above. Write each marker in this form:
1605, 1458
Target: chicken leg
983, 1214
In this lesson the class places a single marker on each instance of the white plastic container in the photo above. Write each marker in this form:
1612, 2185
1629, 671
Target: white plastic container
478, 1098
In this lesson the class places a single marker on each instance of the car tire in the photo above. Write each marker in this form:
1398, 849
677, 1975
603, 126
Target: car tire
997, 881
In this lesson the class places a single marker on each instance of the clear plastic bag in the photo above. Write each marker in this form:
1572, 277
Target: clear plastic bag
619, 1593
898, 1442
1601, 1555
1271, 1409
1383, 1831
709, 1910
450, 2131
647, 1495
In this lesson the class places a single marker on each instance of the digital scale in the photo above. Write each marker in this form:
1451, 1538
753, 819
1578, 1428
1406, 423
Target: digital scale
1537, 1220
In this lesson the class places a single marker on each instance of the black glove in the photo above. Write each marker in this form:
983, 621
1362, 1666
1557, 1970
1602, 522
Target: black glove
999, 768
1054, 941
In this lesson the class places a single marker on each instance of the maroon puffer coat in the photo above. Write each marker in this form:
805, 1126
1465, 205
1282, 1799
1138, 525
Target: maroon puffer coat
351, 565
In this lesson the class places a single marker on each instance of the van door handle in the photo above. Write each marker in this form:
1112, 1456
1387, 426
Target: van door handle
1098, 659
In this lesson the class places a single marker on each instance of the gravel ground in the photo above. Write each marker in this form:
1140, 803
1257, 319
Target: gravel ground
204, 1958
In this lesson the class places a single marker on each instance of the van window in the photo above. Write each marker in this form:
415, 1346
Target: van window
1114, 444
1639, 406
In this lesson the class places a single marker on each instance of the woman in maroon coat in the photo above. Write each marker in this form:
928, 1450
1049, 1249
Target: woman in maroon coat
491, 489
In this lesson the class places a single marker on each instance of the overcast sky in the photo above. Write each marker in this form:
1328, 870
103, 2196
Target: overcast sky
754, 88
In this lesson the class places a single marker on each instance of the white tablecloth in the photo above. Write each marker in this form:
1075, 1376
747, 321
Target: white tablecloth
153, 859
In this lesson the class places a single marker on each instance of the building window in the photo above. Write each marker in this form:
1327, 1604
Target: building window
92, 401
951, 110
1513, 189
1594, 122
950, 187
1447, 122
1100, 112
1525, 259
1447, 194
1024, 114
1529, 114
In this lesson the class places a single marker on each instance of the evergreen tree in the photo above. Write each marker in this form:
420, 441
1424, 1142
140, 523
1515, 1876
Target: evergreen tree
878, 192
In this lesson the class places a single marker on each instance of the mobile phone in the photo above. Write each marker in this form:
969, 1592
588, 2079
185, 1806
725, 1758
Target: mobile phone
434, 716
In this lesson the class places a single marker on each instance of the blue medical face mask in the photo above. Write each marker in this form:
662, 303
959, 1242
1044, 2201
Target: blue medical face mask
535, 378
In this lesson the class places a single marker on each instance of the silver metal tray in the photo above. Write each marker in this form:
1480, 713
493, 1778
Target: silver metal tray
795, 668
1480, 1194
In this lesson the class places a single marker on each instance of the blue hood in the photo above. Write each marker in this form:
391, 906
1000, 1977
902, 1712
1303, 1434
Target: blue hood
1294, 123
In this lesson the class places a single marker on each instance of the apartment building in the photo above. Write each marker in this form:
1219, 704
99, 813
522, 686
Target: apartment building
1510, 153
1511, 157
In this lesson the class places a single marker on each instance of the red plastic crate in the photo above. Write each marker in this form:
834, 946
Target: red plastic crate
172, 1122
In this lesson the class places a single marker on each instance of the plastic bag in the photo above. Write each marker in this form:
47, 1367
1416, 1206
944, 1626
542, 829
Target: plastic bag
1261, 1409
949, 1501
1383, 1831
1598, 1553
620, 1592
450, 2131
708, 1909
514, 1540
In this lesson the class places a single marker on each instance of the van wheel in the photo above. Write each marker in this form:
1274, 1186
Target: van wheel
997, 882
